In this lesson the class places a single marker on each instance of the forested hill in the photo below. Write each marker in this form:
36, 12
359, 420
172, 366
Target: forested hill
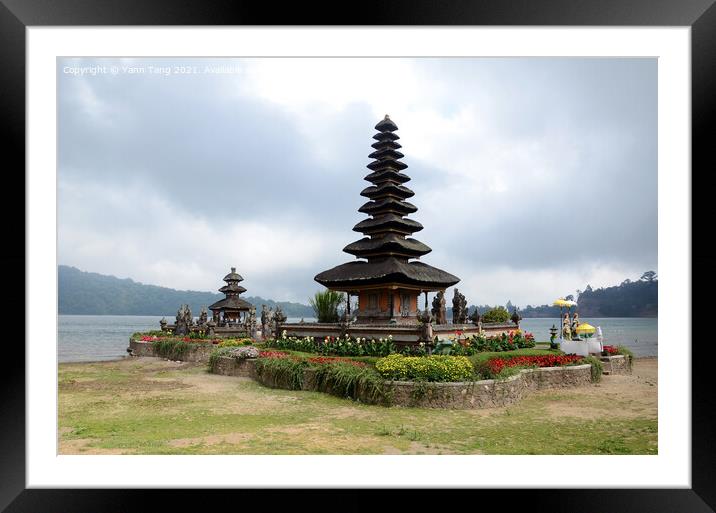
87, 293
629, 299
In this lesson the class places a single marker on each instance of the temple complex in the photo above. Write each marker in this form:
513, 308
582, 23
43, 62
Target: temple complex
229, 310
387, 278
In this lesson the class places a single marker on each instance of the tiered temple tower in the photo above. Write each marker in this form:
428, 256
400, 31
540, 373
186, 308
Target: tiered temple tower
387, 282
230, 308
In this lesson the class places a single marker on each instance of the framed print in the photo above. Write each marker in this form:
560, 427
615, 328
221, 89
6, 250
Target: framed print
514, 154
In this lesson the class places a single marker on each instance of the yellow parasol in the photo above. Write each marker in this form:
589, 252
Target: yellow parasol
586, 328
563, 303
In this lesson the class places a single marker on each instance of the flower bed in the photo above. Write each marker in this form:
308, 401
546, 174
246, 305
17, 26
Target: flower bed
494, 366
366, 385
335, 346
467, 346
425, 368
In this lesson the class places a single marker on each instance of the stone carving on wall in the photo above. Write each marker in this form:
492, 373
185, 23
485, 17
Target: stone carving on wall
426, 326
516, 317
475, 317
278, 319
438, 309
184, 320
252, 323
459, 308
203, 316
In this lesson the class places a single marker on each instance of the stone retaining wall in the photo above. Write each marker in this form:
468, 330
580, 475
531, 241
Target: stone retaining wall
616, 364
196, 353
478, 394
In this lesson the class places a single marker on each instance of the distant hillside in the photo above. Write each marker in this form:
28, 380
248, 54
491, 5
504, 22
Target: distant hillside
629, 299
84, 293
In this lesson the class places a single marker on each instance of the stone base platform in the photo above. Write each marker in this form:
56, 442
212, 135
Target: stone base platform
468, 395
616, 364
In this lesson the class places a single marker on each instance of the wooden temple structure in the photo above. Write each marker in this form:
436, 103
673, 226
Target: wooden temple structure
387, 277
232, 309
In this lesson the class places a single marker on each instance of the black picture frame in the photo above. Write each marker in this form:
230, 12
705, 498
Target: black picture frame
16, 15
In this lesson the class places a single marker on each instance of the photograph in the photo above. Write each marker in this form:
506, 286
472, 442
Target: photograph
357, 255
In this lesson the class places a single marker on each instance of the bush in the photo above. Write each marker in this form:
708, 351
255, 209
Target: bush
425, 368
216, 354
497, 314
325, 305
235, 342
171, 349
283, 372
345, 379
597, 367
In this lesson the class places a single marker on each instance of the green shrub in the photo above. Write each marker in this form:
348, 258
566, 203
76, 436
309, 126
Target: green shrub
345, 380
425, 368
325, 305
283, 372
497, 314
216, 354
171, 349
235, 342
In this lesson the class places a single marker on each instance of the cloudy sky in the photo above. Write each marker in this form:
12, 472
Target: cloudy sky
532, 177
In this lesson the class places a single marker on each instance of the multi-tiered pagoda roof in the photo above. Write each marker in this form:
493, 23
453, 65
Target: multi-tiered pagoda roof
387, 246
232, 289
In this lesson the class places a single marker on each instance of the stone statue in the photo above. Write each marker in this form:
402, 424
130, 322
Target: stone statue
438, 309
516, 317
252, 324
183, 320
203, 316
459, 308
278, 318
264, 321
163, 324
210, 328
475, 317
575, 323
426, 327
566, 331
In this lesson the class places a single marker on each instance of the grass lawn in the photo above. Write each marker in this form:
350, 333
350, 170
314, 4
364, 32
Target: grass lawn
152, 406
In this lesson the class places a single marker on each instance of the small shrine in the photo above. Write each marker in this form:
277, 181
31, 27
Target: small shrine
387, 278
232, 309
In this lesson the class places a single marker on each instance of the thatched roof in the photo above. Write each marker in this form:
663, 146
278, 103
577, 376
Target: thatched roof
387, 189
231, 303
387, 222
391, 270
232, 287
390, 243
233, 276
384, 175
388, 205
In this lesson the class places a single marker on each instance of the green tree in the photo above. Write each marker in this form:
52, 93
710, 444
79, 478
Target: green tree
497, 314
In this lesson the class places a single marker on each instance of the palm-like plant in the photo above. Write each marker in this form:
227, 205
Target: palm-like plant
325, 305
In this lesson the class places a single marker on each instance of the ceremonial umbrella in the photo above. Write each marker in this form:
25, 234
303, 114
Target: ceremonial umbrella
586, 328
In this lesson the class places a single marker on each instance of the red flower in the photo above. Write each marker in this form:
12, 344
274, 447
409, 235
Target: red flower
326, 359
273, 354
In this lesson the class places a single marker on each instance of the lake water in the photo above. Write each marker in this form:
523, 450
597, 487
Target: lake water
106, 337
